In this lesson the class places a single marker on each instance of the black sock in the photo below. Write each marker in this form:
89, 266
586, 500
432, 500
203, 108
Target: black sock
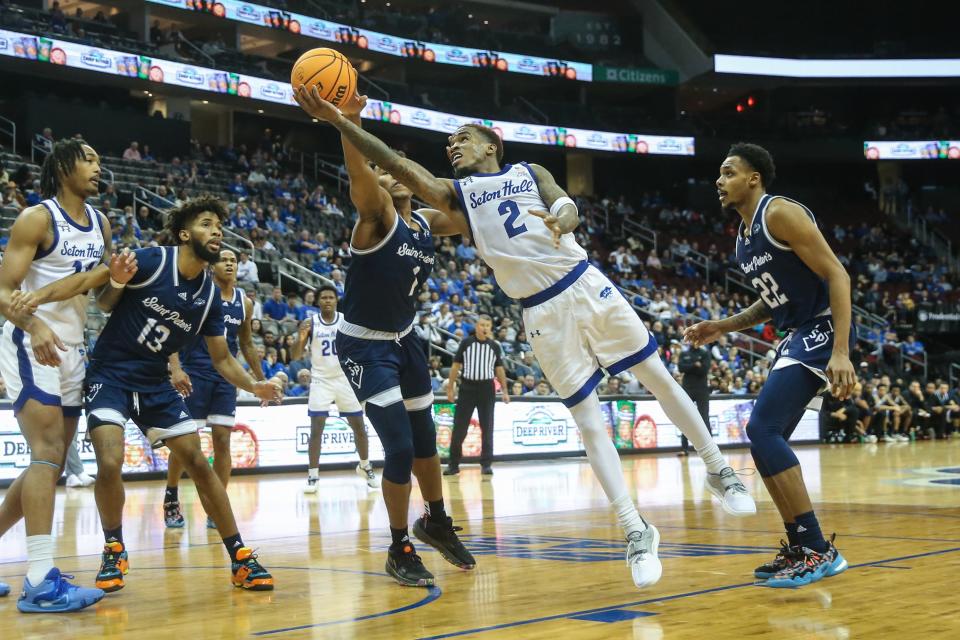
171, 495
808, 531
792, 538
233, 544
400, 536
435, 511
113, 535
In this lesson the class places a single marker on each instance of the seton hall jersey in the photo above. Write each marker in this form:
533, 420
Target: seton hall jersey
790, 289
324, 364
518, 246
383, 282
75, 248
158, 314
195, 359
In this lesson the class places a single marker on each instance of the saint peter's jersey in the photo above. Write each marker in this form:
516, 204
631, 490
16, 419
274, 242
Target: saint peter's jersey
518, 246
384, 281
158, 314
75, 248
790, 289
195, 359
324, 364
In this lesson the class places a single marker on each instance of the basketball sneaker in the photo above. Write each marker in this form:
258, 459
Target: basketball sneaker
4, 589
172, 516
645, 566
733, 496
451, 471
250, 574
210, 523
368, 474
442, 536
406, 567
54, 595
807, 566
114, 564
311, 485
780, 562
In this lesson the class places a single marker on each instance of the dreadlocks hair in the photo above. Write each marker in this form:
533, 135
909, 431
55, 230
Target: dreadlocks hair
183, 216
60, 163
759, 160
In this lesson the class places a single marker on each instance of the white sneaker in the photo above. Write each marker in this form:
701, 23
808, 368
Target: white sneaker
871, 438
86, 480
311, 485
74, 481
368, 474
733, 496
901, 438
642, 557
888, 438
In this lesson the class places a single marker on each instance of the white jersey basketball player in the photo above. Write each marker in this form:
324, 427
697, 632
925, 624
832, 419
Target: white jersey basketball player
54, 257
578, 323
329, 386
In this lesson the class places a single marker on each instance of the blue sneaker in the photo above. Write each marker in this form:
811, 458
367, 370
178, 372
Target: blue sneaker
835, 563
4, 589
804, 566
56, 595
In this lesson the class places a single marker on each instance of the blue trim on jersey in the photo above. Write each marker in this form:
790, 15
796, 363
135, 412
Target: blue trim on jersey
502, 171
638, 357
463, 205
530, 171
336, 314
56, 235
73, 222
585, 390
72, 412
556, 288
30, 390
318, 414
101, 219
350, 414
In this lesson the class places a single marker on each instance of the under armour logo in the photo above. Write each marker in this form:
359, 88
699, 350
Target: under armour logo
64, 227
606, 293
534, 333
355, 371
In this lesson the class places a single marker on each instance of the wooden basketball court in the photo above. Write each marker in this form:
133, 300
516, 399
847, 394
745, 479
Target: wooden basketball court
550, 558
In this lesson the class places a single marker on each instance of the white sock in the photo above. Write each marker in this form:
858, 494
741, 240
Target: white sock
681, 410
40, 557
605, 462
364, 464
313, 474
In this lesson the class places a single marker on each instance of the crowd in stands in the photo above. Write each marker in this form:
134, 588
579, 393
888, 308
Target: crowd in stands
280, 213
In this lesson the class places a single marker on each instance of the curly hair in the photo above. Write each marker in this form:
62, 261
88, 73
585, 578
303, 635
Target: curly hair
183, 216
759, 160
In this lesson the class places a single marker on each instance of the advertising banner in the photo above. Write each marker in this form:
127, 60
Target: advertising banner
299, 24
79, 56
273, 437
838, 68
912, 150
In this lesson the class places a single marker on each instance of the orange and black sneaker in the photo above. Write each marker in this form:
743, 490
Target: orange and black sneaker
250, 574
114, 565
406, 567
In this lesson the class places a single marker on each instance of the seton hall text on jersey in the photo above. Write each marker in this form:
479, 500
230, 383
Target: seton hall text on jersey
756, 262
169, 315
78, 251
507, 189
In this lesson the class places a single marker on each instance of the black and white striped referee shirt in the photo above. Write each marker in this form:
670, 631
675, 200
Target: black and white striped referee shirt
478, 359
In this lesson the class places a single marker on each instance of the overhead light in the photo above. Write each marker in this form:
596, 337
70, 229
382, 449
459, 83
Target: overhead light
206, 102
486, 22
315, 120
470, 15
259, 110
146, 92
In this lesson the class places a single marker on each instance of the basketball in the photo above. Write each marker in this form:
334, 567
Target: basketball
328, 70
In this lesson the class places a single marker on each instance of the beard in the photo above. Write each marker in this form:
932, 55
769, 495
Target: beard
461, 172
202, 252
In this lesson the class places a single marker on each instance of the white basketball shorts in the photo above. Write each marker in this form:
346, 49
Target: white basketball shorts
26, 380
333, 390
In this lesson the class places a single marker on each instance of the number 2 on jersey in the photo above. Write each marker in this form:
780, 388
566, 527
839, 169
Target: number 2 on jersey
510, 209
769, 290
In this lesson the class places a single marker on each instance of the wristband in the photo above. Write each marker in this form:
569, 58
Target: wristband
559, 203
115, 284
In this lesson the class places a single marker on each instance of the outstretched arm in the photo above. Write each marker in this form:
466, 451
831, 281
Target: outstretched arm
562, 215
372, 201
232, 371
437, 192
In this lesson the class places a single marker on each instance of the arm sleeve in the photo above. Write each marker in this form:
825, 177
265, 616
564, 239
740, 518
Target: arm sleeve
213, 325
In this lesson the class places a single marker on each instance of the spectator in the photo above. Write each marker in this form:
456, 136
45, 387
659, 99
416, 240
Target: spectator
247, 269
332, 208
541, 390
146, 156
465, 251
308, 308
276, 308
45, 139
912, 346
132, 152
270, 365
302, 387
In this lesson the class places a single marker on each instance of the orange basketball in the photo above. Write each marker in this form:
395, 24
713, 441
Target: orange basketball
328, 70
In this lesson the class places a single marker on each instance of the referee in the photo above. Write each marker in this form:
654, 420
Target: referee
479, 358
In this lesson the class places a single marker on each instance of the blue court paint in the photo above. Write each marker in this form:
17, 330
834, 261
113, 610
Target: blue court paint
433, 593
947, 481
677, 596
613, 615
886, 566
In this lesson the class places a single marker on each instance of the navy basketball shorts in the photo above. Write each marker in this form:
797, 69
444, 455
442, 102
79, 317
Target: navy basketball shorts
159, 414
375, 366
811, 345
213, 401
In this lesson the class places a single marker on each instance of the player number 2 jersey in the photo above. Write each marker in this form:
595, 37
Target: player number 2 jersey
75, 248
518, 246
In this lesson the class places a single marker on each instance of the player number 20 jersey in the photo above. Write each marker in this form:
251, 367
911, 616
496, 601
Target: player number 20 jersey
324, 364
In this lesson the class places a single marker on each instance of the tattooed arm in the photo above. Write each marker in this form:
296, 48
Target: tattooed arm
710, 330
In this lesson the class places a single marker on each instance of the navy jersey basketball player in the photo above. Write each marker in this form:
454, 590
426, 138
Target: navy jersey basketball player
805, 290
384, 360
171, 300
